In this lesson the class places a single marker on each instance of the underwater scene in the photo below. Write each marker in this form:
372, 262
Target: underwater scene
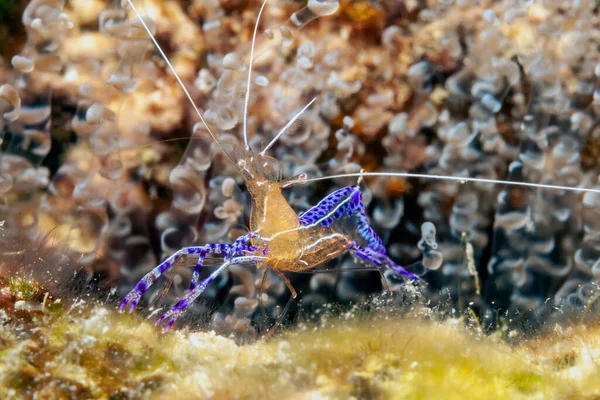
299, 199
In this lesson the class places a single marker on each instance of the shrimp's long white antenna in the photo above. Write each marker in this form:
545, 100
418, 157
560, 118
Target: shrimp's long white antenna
247, 99
452, 178
164, 56
282, 131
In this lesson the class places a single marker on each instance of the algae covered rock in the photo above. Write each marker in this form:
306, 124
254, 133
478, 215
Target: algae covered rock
90, 351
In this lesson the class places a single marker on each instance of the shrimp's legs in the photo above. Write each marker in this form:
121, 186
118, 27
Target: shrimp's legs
260, 293
348, 202
287, 306
189, 298
379, 259
238, 248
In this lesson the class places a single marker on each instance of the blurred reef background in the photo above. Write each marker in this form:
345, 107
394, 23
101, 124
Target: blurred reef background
105, 171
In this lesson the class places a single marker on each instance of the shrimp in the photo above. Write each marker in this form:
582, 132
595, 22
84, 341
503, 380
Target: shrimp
279, 239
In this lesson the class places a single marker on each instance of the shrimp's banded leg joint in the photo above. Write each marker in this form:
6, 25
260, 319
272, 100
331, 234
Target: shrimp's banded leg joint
192, 295
240, 247
343, 202
348, 202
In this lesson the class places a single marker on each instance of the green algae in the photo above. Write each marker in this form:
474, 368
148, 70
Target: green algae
91, 351
23, 288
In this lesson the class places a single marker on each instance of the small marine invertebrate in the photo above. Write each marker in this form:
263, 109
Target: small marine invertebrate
283, 241
279, 238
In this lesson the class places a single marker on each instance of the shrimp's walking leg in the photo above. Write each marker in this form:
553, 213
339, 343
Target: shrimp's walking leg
261, 289
287, 306
384, 281
348, 202
379, 259
140, 288
189, 298
239, 247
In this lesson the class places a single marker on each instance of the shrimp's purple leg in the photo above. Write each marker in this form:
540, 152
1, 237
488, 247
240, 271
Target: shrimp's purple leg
348, 202
140, 288
380, 259
239, 247
343, 202
189, 298
197, 269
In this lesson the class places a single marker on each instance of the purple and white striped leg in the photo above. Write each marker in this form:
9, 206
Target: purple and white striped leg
213, 248
380, 258
197, 269
189, 298
239, 247
134, 296
348, 202
344, 202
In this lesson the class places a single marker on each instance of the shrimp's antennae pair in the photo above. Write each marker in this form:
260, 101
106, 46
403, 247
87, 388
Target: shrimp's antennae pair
247, 99
361, 174
248, 85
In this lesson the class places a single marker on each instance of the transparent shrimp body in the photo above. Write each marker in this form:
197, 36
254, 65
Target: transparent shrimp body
292, 246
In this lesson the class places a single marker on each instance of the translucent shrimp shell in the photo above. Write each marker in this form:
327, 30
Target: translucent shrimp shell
293, 247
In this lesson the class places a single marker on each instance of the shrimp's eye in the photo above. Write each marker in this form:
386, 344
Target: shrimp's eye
271, 169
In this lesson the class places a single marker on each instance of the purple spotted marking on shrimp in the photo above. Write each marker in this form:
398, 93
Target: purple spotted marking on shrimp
325, 206
346, 201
